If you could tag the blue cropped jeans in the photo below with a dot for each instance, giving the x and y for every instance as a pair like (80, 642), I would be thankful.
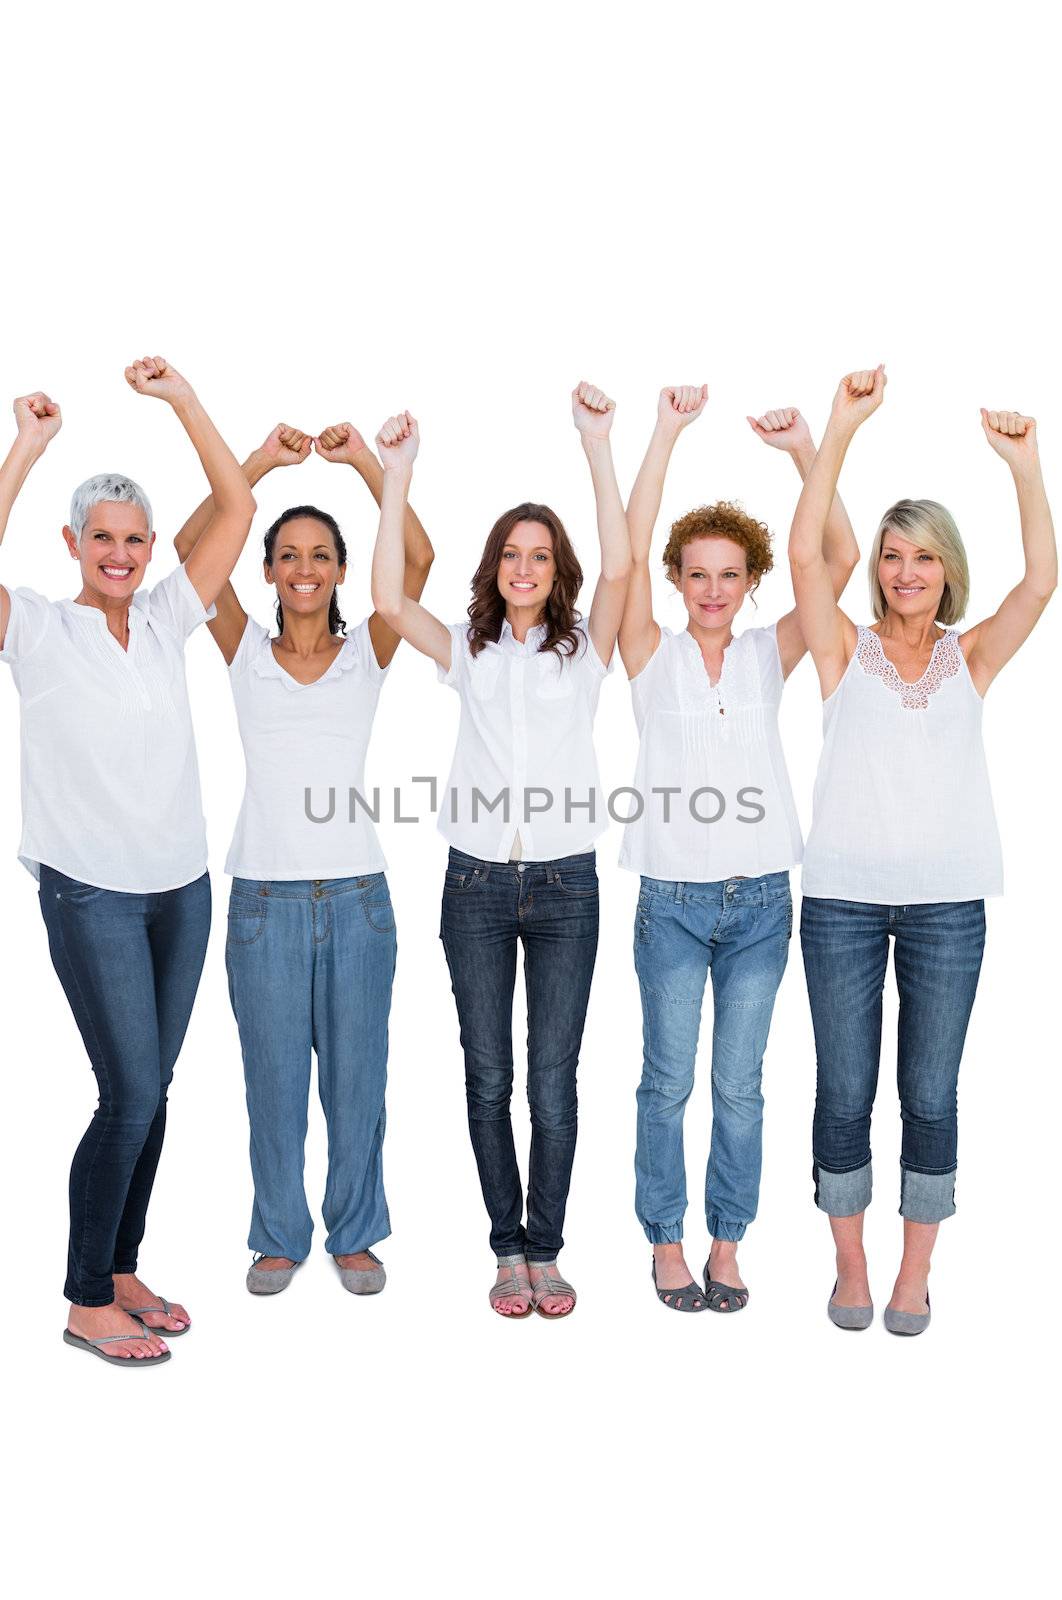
(310, 966)
(938, 950)
(738, 929)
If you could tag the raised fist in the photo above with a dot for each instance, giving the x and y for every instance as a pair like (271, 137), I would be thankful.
(784, 429)
(286, 447)
(859, 396)
(153, 375)
(398, 442)
(593, 411)
(1011, 436)
(340, 442)
(38, 419)
(681, 406)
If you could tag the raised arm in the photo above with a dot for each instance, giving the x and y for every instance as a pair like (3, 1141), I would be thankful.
(343, 443)
(639, 633)
(210, 563)
(593, 413)
(829, 634)
(284, 447)
(990, 644)
(787, 430)
(38, 420)
(398, 442)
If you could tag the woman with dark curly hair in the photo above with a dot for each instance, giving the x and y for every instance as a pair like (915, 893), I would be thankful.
(713, 838)
(311, 944)
(521, 811)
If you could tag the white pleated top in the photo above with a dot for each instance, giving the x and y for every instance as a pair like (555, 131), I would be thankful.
(110, 783)
(526, 734)
(903, 810)
(719, 746)
(304, 745)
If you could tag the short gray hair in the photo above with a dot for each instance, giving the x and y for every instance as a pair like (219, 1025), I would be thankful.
(931, 526)
(105, 486)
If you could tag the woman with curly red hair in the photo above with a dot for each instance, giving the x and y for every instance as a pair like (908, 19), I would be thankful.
(521, 810)
(713, 837)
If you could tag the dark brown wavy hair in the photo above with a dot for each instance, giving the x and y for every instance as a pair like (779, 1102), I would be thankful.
(486, 613)
(724, 520)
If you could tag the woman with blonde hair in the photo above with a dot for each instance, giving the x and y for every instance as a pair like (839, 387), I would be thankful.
(904, 842)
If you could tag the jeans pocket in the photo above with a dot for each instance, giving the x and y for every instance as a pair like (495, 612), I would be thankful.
(247, 919)
(461, 882)
(580, 885)
(379, 912)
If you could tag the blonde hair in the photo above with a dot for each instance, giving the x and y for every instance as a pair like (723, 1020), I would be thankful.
(931, 526)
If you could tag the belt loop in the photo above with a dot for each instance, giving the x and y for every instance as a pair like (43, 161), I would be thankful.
(763, 893)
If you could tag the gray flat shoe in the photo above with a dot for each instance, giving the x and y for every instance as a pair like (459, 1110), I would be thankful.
(687, 1298)
(715, 1293)
(269, 1282)
(855, 1317)
(94, 1348)
(164, 1310)
(907, 1322)
(363, 1280)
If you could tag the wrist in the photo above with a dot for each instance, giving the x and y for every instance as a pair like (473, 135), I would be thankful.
(362, 459)
(256, 466)
(186, 405)
(400, 474)
(596, 444)
(1026, 472)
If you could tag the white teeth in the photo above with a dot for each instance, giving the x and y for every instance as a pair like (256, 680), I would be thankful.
(305, 588)
(117, 572)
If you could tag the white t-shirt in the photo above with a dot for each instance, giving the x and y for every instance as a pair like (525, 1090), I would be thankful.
(305, 811)
(718, 745)
(526, 736)
(903, 809)
(110, 785)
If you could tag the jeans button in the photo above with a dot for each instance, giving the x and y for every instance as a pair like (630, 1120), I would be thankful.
(519, 866)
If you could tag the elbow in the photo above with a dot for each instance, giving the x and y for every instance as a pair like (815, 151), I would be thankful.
(617, 571)
(387, 607)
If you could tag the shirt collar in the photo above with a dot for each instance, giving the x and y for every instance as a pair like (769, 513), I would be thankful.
(534, 638)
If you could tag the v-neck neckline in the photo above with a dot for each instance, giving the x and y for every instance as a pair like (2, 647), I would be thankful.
(703, 664)
(910, 683)
(296, 682)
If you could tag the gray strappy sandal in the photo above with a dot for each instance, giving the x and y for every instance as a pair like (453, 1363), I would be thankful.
(164, 1310)
(715, 1293)
(687, 1298)
(93, 1346)
(552, 1283)
(517, 1288)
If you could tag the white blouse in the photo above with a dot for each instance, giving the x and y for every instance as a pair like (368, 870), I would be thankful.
(110, 784)
(718, 746)
(903, 809)
(524, 747)
(305, 811)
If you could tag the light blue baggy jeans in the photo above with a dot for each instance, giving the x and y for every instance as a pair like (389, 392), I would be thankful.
(739, 930)
(310, 968)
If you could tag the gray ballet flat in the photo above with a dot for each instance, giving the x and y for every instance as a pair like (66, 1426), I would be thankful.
(363, 1280)
(686, 1298)
(855, 1317)
(907, 1322)
(269, 1282)
(94, 1348)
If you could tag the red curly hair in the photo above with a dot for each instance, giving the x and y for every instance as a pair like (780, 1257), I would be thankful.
(724, 520)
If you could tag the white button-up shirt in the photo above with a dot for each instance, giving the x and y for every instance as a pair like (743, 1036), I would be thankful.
(110, 784)
(524, 762)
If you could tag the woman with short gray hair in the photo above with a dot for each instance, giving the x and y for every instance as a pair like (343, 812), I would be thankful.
(113, 830)
(904, 841)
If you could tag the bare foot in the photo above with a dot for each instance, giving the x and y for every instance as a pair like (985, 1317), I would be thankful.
(554, 1305)
(360, 1261)
(853, 1285)
(510, 1305)
(723, 1268)
(671, 1269)
(107, 1322)
(129, 1291)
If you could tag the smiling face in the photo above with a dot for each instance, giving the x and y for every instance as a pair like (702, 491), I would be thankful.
(714, 580)
(305, 567)
(113, 552)
(527, 567)
(911, 577)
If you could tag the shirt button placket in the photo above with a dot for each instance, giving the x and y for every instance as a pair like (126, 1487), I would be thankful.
(518, 716)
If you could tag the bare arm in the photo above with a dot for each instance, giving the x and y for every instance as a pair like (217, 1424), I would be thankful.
(38, 420)
(639, 632)
(829, 634)
(990, 644)
(787, 430)
(398, 441)
(210, 563)
(593, 413)
(342, 442)
(284, 447)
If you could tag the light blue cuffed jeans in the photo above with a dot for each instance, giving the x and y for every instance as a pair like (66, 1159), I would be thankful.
(738, 929)
(310, 967)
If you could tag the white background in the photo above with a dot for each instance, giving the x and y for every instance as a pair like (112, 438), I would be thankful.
(464, 209)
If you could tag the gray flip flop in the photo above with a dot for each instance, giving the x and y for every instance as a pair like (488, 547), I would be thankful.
(687, 1298)
(715, 1293)
(93, 1346)
(907, 1322)
(269, 1282)
(164, 1310)
(854, 1317)
(363, 1280)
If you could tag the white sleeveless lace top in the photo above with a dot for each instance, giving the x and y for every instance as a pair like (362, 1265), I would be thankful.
(903, 810)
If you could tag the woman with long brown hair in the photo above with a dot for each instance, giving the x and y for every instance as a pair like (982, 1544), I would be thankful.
(521, 811)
